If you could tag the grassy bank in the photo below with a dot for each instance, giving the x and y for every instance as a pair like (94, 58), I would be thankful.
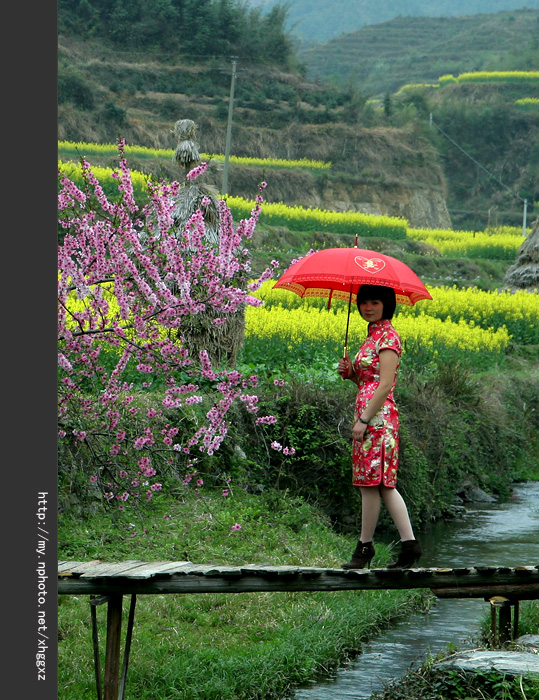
(213, 646)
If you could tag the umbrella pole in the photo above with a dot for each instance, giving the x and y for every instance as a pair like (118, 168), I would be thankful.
(348, 317)
(347, 323)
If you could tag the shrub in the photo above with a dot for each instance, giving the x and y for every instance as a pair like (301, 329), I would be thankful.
(114, 115)
(74, 88)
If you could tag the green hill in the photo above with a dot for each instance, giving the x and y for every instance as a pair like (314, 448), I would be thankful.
(316, 21)
(383, 57)
(385, 158)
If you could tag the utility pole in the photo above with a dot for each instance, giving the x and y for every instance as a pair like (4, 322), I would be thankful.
(229, 126)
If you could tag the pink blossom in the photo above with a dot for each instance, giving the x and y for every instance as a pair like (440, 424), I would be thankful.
(266, 420)
(163, 278)
(196, 172)
(236, 527)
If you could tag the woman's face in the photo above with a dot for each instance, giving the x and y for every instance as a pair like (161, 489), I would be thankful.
(371, 310)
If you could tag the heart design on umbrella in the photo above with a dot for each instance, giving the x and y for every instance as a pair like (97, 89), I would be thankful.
(369, 264)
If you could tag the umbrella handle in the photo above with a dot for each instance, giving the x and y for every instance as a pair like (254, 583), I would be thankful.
(347, 324)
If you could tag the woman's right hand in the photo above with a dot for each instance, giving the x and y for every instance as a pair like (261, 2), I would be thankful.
(345, 368)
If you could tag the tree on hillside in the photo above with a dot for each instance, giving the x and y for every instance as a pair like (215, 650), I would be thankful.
(194, 28)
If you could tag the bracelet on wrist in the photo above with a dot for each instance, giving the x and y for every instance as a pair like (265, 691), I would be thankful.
(365, 422)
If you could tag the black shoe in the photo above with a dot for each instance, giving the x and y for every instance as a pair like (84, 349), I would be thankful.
(409, 555)
(362, 556)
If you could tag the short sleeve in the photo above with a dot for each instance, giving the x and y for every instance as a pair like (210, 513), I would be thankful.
(389, 340)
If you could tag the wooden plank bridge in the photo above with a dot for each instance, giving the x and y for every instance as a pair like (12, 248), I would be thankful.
(108, 582)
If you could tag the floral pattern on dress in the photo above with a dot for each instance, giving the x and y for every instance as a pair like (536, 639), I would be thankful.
(375, 460)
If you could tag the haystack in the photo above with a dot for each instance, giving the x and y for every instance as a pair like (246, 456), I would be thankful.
(524, 273)
(190, 196)
(199, 332)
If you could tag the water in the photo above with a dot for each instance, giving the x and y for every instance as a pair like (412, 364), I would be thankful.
(488, 535)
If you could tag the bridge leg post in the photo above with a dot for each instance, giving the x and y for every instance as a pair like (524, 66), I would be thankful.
(95, 641)
(127, 650)
(505, 623)
(505, 632)
(112, 653)
(493, 630)
(515, 619)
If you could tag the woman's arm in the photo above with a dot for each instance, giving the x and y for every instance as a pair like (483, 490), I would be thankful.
(389, 361)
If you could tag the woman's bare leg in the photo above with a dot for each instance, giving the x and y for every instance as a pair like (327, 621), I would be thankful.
(396, 506)
(370, 510)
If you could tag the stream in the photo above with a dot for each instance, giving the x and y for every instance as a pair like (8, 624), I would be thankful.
(488, 534)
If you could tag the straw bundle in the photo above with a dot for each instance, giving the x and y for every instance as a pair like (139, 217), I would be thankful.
(200, 332)
(524, 273)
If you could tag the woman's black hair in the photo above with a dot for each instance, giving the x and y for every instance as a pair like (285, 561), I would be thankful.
(375, 291)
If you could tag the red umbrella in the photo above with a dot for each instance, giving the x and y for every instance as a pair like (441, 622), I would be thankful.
(337, 273)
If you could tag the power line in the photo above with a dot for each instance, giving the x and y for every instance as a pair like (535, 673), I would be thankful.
(491, 175)
(433, 123)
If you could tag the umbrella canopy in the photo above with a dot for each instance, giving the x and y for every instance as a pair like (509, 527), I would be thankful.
(337, 273)
(334, 273)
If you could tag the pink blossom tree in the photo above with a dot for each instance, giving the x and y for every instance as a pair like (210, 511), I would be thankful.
(129, 392)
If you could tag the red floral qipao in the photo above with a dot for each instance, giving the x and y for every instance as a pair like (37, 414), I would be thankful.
(376, 459)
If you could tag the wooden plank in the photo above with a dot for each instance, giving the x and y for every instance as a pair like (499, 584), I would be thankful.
(312, 572)
(155, 568)
(272, 570)
(110, 568)
(196, 570)
(64, 564)
(520, 591)
(386, 574)
(72, 568)
(231, 572)
(357, 574)
(281, 570)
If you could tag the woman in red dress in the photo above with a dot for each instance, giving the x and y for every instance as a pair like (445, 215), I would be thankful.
(375, 433)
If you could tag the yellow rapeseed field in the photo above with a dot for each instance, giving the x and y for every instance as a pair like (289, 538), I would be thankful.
(110, 149)
(500, 243)
(463, 319)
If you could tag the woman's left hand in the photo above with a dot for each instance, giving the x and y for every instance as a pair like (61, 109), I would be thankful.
(345, 367)
(358, 431)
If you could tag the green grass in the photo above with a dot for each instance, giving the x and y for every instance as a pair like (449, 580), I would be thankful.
(222, 646)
